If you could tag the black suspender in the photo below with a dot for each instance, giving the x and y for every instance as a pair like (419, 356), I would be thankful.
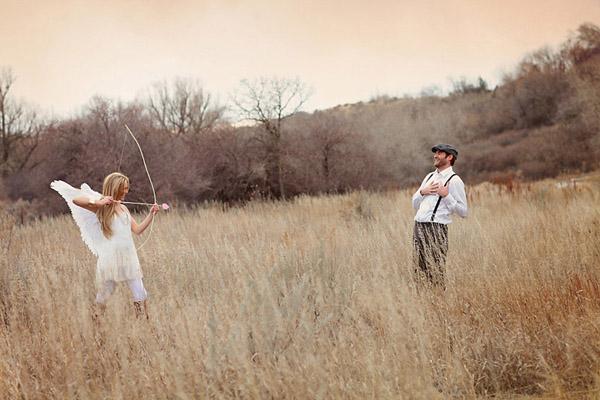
(429, 177)
(439, 197)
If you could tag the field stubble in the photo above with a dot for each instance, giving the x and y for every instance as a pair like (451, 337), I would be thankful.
(313, 298)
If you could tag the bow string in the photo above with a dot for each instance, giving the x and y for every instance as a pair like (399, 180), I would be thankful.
(149, 179)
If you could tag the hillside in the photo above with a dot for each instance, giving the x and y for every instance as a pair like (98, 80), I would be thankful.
(541, 121)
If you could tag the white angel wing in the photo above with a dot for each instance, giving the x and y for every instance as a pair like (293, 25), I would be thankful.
(89, 226)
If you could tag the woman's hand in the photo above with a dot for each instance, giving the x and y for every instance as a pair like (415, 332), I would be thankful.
(155, 208)
(91, 204)
(105, 201)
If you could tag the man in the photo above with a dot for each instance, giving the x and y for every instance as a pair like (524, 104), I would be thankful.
(441, 194)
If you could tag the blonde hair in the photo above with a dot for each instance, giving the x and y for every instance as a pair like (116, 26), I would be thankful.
(114, 185)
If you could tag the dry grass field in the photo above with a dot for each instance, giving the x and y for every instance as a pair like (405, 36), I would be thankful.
(313, 298)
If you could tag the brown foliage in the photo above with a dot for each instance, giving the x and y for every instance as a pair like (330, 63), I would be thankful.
(542, 121)
(508, 181)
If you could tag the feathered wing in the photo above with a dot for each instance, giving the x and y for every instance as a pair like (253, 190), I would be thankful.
(89, 226)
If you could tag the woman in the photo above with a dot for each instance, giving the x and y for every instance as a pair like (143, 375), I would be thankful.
(106, 227)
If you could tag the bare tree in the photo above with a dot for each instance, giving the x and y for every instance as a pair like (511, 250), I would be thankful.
(19, 128)
(183, 107)
(463, 86)
(268, 102)
(329, 134)
(583, 46)
(102, 112)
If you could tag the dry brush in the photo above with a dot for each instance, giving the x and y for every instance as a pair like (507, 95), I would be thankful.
(313, 298)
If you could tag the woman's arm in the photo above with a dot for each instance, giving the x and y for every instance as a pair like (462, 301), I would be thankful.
(138, 229)
(90, 204)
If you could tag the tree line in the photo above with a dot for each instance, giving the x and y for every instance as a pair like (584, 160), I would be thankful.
(541, 120)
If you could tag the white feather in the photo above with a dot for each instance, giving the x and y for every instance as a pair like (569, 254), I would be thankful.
(87, 221)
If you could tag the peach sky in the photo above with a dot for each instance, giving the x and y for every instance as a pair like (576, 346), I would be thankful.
(64, 52)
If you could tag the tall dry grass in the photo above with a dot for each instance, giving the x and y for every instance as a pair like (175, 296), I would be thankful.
(314, 299)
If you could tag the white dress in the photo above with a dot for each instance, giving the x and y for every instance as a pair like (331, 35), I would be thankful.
(117, 256)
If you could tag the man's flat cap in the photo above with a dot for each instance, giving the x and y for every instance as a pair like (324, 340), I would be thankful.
(446, 148)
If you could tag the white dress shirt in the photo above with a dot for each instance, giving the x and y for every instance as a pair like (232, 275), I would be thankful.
(454, 202)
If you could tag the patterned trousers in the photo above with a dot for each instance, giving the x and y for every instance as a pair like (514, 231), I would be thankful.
(430, 243)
